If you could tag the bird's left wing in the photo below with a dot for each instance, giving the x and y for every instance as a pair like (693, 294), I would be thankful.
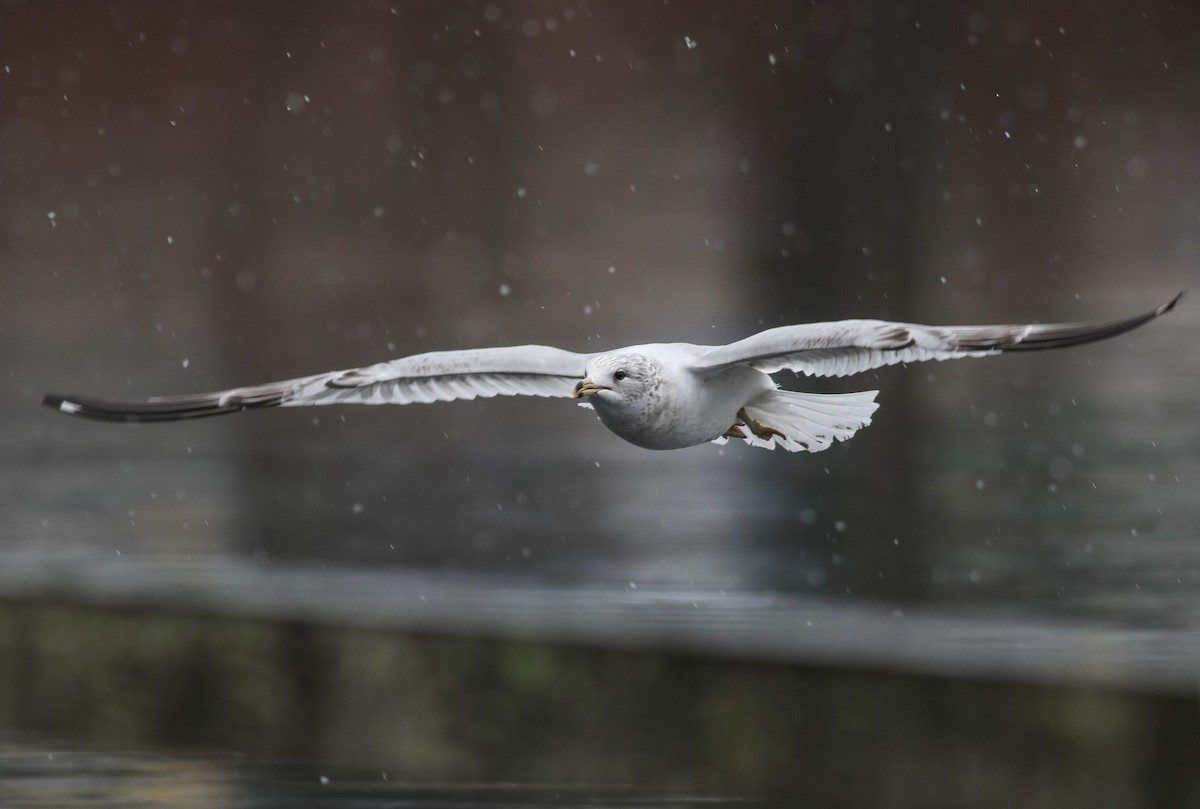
(847, 347)
(437, 376)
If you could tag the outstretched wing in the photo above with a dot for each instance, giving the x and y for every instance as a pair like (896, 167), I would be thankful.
(438, 376)
(849, 346)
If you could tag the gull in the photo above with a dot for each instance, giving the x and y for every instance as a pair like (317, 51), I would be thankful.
(656, 396)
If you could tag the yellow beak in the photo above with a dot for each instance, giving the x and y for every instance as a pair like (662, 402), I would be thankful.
(586, 388)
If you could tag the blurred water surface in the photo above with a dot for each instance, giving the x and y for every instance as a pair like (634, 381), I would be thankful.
(101, 780)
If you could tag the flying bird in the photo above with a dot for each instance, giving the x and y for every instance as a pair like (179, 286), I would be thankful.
(657, 396)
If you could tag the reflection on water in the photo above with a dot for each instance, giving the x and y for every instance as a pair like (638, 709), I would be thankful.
(998, 579)
(427, 591)
(45, 776)
(431, 706)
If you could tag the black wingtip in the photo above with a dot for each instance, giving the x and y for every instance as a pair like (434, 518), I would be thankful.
(75, 406)
(1169, 305)
(64, 404)
(164, 409)
(1086, 333)
(1056, 335)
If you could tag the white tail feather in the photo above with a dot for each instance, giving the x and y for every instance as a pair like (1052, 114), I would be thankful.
(810, 422)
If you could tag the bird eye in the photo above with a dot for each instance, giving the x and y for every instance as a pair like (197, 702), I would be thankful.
(619, 375)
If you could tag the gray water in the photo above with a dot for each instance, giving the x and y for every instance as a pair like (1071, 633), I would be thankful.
(73, 777)
(1024, 537)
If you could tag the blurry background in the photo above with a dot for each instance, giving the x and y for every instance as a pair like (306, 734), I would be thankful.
(195, 196)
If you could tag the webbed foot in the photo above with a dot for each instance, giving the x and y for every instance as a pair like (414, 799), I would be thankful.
(760, 430)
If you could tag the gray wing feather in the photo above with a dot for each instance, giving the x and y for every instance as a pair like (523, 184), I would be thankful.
(437, 376)
(847, 347)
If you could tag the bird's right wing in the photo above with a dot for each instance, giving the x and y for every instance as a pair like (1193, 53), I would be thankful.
(437, 376)
(847, 347)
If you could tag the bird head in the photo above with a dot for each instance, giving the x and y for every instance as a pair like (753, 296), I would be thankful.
(619, 379)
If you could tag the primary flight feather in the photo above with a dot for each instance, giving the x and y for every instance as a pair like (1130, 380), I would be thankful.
(658, 396)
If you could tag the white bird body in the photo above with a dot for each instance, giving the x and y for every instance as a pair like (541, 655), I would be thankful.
(663, 402)
(657, 396)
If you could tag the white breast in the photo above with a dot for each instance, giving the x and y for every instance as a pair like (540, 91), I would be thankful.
(682, 409)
